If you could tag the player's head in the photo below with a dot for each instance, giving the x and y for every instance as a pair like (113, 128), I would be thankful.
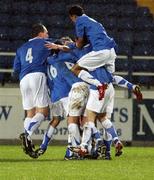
(66, 40)
(75, 11)
(39, 30)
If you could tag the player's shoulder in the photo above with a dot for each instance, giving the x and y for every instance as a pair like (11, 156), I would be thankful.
(19, 49)
(35, 43)
(52, 59)
(38, 40)
(82, 18)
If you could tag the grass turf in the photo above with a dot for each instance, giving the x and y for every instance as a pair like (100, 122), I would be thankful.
(135, 164)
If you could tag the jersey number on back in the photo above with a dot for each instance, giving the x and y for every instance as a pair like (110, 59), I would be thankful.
(52, 72)
(69, 65)
(29, 56)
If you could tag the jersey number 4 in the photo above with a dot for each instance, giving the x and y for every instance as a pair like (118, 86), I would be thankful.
(29, 56)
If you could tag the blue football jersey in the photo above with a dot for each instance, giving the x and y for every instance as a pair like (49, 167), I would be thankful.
(102, 75)
(57, 85)
(60, 78)
(94, 32)
(31, 57)
(66, 56)
(78, 53)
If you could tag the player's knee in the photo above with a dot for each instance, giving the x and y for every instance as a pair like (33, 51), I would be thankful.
(44, 111)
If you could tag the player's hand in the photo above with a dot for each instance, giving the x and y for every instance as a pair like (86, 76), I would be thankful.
(51, 46)
(137, 93)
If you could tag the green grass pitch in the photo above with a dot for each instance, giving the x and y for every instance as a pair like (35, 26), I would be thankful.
(136, 163)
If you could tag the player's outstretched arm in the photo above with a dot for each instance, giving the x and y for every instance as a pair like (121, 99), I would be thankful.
(57, 47)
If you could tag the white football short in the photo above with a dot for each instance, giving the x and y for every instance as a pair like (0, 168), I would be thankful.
(77, 99)
(104, 105)
(34, 91)
(96, 59)
(58, 109)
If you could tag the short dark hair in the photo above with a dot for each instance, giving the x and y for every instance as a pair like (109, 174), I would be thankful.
(76, 10)
(37, 28)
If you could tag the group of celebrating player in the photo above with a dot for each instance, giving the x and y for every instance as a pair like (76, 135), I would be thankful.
(79, 78)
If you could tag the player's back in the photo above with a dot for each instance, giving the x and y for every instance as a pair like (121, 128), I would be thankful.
(32, 56)
(64, 61)
(94, 32)
(59, 88)
(60, 73)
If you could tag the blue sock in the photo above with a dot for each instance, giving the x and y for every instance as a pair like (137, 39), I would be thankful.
(113, 132)
(31, 125)
(45, 142)
(96, 136)
(108, 145)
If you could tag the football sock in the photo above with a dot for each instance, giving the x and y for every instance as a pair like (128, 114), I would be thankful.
(107, 124)
(96, 134)
(27, 121)
(108, 145)
(47, 137)
(120, 81)
(35, 123)
(73, 135)
(87, 133)
(85, 76)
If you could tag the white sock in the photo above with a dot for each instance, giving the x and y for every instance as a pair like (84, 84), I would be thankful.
(95, 131)
(85, 76)
(47, 137)
(50, 131)
(87, 133)
(35, 123)
(109, 128)
(27, 121)
(73, 134)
